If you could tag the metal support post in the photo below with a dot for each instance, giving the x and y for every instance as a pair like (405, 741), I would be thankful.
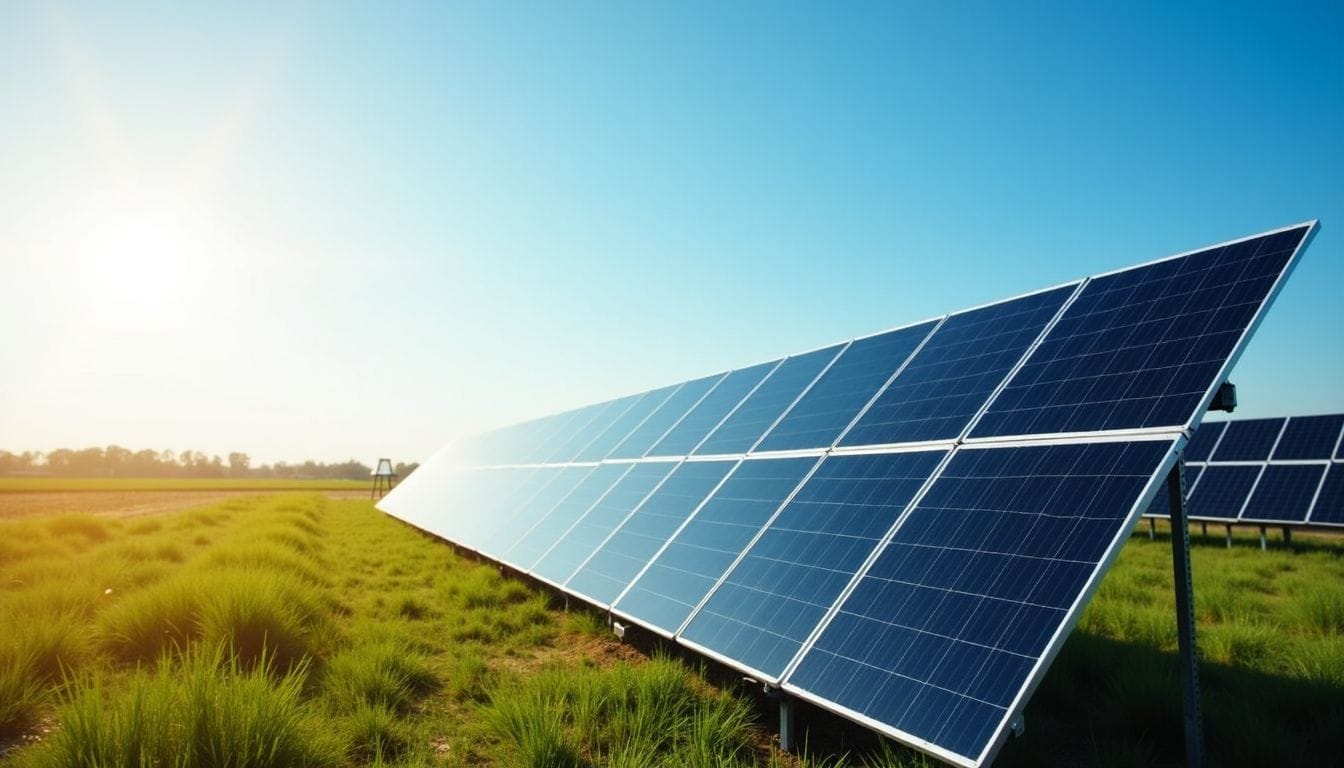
(1229, 537)
(1264, 545)
(1287, 536)
(1204, 529)
(785, 722)
(1152, 528)
(1185, 617)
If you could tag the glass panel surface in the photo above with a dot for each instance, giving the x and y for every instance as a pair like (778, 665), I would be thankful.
(662, 420)
(1284, 493)
(1142, 347)
(1309, 437)
(950, 379)
(680, 577)
(740, 431)
(633, 545)
(779, 592)
(1221, 491)
(846, 387)
(940, 637)
(706, 415)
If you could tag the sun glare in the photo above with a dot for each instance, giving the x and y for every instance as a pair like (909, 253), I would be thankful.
(140, 261)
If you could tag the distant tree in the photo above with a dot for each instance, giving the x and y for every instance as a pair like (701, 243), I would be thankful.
(239, 464)
(403, 469)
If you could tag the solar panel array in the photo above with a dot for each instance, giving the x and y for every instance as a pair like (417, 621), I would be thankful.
(901, 528)
(1280, 471)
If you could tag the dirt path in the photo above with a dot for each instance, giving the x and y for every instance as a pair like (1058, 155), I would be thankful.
(127, 503)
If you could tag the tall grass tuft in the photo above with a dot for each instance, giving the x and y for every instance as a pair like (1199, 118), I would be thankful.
(209, 711)
(387, 673)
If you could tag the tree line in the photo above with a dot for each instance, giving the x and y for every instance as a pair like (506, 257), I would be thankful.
(116, 461)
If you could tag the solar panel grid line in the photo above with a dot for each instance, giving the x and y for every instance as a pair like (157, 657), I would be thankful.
(1330, 494)
(727, 415)
(566, 481)
(835, 441)
(608, 416)
(1212, 433)
(1236, 431)
(1151, 347)
(1339, 445)
(514, 562)
(904, 364)
(1194, 469)
(864, 566)
(617, 527)
(690, 519)
(1284, 494)
(666, 542)
(1209, 484)
(743, 553)
(844, 345)
(1154, 484)
(657, 438)
(636, 475)
(1323, 429)
(1026, 354)
(607, 440)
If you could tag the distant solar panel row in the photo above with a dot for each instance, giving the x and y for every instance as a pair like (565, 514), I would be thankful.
(1265, 471)
(901, 528)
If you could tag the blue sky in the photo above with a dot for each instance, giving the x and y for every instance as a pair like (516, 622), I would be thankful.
(358, 230)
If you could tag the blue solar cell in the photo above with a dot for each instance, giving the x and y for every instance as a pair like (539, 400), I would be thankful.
(838, 396)
(1205, 438)
(707, 414)
(1248, 440)
(497, 539)
(660, 421)
(1161, 505)
(687, 568)
(1221, 491)
(745, 426)
(604, 415)
(950, 379)
(611, 569)
(502, 493)
(532, 543)
(1329, 506)
(1284, 493)
(939, 639)
(1142, 347)
(593, 528)
(623, 425)
(779, 592)
(1309, 437)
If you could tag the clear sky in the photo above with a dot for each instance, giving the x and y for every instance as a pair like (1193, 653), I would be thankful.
(355, 230)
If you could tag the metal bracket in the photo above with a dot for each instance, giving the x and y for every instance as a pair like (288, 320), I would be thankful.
(1185, 617)
(1018, 725)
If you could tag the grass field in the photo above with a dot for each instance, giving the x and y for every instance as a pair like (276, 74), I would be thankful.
(296, 629)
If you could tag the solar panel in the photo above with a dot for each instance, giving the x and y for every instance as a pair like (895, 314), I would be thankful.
(1161, 505)
(956, 371)
(509, 526)
(1205, 438)
(533, 543)
(1222, 491)
(611, 569)
(707, 414)
(759, 616)
(1284, 493)
(593, 528)
(587, 426)
(691, 562)
(944, 636)
(1146, 346)
(918, 592)
(623, 425)
(1329, 506)
(838, 396)
(1309, 437)
(1248, 440)
(762, 408)
(668, 414)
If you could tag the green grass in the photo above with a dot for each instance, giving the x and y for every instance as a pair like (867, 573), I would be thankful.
(297, 630)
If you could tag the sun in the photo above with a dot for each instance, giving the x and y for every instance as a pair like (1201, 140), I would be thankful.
(140, 259)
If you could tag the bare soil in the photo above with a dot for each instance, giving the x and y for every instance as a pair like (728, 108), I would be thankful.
(126, 504)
